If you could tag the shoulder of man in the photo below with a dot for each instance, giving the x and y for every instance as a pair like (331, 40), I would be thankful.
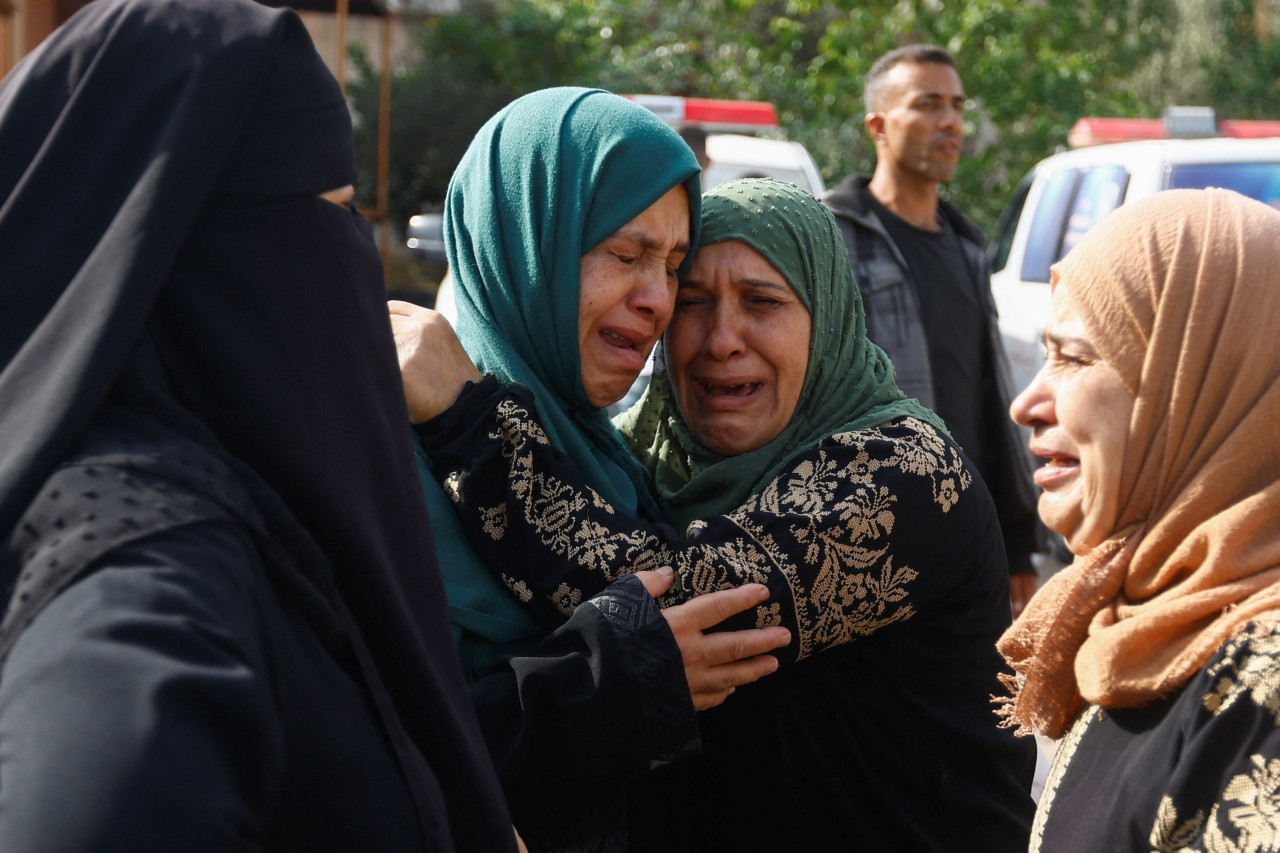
(851, 199)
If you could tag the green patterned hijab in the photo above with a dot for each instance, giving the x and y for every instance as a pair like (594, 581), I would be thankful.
(544, 181)
(849, 381)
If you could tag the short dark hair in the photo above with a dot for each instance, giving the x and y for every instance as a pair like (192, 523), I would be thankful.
(914, 54)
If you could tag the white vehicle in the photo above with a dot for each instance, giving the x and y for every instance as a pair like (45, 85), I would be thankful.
(735, 156)
(1067, 193)
(732, 152)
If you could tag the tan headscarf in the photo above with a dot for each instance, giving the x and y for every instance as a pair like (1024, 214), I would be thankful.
(1180, 293)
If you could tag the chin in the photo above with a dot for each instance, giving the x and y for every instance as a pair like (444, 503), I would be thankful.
(722, 443)
(602, 398)
(1063, 524)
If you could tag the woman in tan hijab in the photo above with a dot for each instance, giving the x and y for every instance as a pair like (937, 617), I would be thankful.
(1156, 655)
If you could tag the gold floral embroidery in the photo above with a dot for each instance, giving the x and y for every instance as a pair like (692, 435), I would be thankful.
(946, 494)
(1250, 666)
(768, 616)
(1061, 761)
(1246, 818)
(519, 587)
(1168, 835)
(1258, 816)
(494, 520)
(514, 417)
(829, 504)
(566, 598)
(1255, 822)
(810, 488)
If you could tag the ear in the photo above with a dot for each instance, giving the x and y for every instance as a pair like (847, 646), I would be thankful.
(874, 122)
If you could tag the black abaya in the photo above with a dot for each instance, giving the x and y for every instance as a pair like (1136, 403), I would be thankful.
(168, 267)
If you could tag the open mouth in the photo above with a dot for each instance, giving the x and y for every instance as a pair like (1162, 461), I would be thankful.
(1055, 470)
(1059, 461)
(614, 339)
(746, 389)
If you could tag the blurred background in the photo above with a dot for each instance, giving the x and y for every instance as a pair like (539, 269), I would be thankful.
(422, 76)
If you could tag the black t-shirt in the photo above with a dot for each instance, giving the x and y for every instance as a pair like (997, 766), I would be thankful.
(953, 323)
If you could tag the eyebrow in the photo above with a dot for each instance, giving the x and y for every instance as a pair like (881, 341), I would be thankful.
(646, 240)
(743, 282)
(1049, 336)
(960, 97)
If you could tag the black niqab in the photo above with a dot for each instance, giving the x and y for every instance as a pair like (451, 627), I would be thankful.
(163, 251)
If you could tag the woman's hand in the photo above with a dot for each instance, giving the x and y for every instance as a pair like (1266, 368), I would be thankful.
(433, 365)
(716, 663)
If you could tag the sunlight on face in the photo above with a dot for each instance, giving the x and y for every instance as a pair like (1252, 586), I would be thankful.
(1078, 410)
(738, 348)
(921, 127)
(626, 294)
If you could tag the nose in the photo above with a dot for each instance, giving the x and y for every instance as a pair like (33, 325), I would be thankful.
(654, 293)
(1035, 405)
(953, 118)
(724, 338)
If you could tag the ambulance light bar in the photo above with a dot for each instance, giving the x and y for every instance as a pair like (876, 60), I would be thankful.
(1177, 123)
(711, 113)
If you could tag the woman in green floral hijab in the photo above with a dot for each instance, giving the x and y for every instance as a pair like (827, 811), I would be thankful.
(848, 382)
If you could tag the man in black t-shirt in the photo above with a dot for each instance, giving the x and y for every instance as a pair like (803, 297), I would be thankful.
(925, 279)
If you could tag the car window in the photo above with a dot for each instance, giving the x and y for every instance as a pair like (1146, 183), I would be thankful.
(1256, 180)
(1008, 224)
(1048, 223)
(1101, 191)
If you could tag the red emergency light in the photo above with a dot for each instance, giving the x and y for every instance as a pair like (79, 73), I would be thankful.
(711, 113)
(1178, 123)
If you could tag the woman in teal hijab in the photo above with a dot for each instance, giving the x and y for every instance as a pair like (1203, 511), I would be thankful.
(545, 181)
(783, 453)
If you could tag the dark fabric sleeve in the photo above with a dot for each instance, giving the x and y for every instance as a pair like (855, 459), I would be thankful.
(1006, 455)
(837, 539)
(132, 716)
(603, 700)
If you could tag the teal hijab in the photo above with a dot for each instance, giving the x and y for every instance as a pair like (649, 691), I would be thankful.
(543, 182)
(848, 382)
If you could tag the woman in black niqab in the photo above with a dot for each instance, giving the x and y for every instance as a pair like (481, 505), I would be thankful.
(193, 342)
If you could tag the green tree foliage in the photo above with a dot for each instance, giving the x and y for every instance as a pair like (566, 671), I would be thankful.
(475, 63)
(1031, 68)
(1242, 77)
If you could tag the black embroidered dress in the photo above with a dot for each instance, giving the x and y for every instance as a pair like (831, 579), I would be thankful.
(1194, 771)
(881, 551)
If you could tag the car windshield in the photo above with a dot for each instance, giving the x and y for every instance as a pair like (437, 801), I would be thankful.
(1256, 180)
